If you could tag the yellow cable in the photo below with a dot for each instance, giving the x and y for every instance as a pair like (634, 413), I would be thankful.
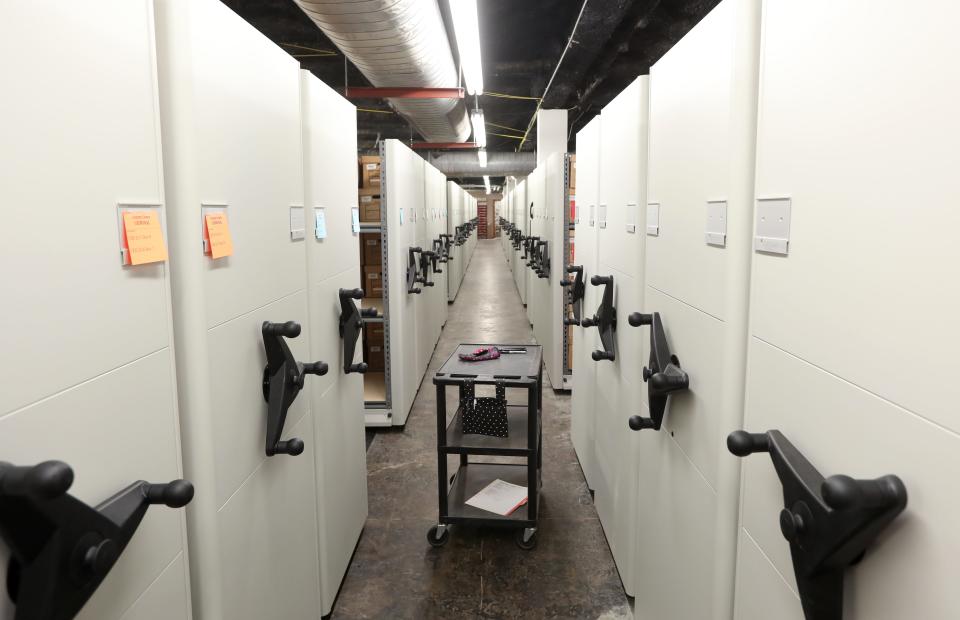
(505, 96)
(374, 111)
(309, 49)
(504, 127)
(503, 135)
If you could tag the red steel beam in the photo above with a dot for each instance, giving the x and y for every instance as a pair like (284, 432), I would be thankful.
(444, 145)
(363, 92)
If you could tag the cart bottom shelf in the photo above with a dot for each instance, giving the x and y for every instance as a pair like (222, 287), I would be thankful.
(470, 479)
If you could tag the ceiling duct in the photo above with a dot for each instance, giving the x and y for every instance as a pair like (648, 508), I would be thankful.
(398, 43)
(499, 164)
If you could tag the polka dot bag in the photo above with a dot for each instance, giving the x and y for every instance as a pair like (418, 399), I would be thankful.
(484, 415)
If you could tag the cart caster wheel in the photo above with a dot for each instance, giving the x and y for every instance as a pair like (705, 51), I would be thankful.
(526, 538)
(438, 541)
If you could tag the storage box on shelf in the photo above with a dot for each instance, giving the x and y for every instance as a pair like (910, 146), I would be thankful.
(370, 172)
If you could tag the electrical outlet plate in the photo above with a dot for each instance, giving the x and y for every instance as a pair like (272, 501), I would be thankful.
(602, 216)
(772, 235)
(631, 217)
(716, 231)
(653, 219)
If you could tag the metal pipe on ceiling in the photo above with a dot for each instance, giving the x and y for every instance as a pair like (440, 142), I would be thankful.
(459, 164)
(398, 43)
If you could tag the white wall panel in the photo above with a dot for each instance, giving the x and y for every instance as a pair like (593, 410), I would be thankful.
(850, 355)
(231, 117)
(702, 131)
(330, 183)
(403, 193)
(523, 223)
(583, 410)
(622, 189)
(88, 369)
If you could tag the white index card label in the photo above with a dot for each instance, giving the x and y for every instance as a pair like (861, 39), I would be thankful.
(716, 231)
(653, 219)
(298, 223)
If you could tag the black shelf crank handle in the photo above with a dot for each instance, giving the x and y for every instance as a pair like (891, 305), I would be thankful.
(575, 293)
(605, 320)
(413, 271)
(61, 549)
(663, 375)
(423, 276)
(829, 523)
(351, 324)
(283, 378)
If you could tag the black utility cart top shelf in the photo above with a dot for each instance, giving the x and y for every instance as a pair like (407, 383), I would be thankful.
(513, 369)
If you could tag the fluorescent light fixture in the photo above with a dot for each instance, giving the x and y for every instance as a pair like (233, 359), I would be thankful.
(466, 27)
(482, 156)
(479, 128)
(486, 183)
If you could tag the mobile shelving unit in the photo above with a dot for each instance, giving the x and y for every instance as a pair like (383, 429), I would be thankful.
(523, 371)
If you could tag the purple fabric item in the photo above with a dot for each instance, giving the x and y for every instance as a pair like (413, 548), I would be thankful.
(485, 353)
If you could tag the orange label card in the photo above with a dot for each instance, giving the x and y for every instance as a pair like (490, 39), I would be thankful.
(143, 237)
(219, 242)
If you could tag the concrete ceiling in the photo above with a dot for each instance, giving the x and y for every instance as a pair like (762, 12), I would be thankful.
(521, 41)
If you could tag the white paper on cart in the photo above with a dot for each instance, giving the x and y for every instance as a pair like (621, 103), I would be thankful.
(500, 497)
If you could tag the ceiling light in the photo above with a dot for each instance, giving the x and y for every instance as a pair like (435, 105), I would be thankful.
(486, 183)
(466, 27)
(482, 156)
(479, 128)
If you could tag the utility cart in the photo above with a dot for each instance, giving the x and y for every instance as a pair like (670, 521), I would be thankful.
(515, 370)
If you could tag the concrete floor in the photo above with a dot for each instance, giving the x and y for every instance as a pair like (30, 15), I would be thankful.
(395, 573)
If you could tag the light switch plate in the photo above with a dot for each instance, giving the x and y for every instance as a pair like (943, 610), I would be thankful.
(631, 217)
(602, 216)
(716, 231)
(298, 223)
(593, 214)
(653, 219)
(772, 233)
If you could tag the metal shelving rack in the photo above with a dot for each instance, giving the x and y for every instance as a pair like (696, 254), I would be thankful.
(379, 413)
(522, 371)
(568, 225)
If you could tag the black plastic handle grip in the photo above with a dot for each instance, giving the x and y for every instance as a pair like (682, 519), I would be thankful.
(667, 383)
(316, 368)
(636, 319)
(574, 268)
(588, 322)
(176, 494)
(843, 492)
(638, 423)
(358, 368)
(293, 447)
(352, 293)
(370, 313)
(45, 480)
(571, 322)
(290, 329)
(598, 280)
(742, 443)
(599, 355)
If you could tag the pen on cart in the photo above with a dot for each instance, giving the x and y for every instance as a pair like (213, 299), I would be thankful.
(511, 350)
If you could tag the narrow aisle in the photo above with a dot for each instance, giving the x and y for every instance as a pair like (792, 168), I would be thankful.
(395, 573)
